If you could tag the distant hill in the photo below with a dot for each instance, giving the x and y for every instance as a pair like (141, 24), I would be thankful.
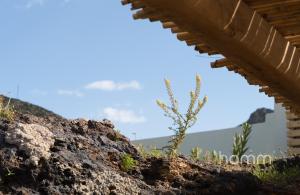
(259, 116)
(28, 108)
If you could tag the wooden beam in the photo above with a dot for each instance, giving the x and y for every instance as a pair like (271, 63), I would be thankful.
(292, 117)
(294, 133)
(240, 34)
(220, 63)
(182, 36)
(294, 151)
(293, 142)
(169, 25)
(293, 124)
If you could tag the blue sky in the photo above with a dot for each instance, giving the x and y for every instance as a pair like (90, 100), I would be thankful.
(90, 59)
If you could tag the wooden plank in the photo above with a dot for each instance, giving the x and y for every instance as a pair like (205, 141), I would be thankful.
(293, 124)
(232, 67)
(182, 36)
(125, 2)
(293, 142)
(193, 42)
(294, 151)
(169, 25)
(137, 5)
(146, 13)
(294, 133)
(292, 116)
(270, 5)
(220, 63)
(203, 48)
(176, 30)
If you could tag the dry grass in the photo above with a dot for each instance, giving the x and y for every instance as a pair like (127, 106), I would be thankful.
(6, 111)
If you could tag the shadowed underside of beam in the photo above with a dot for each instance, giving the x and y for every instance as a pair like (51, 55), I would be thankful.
(256, 45)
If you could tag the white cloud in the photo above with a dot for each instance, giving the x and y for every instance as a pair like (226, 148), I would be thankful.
(109, 85)
(123, 116)
(70, 93)
(32, 3)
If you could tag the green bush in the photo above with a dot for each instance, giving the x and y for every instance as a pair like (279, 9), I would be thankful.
(153, 152)
(213, 157)
(195, 153)
(272, 175)
(127, 162)
(141, 150)
(181, 122)
(6, 111)
(117, 135)
(240, 142)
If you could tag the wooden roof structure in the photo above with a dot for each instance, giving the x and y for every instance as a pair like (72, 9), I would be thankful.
(260, 40)
(269, 29)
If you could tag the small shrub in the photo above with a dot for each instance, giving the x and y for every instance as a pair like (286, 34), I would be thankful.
(6, 111)
(154, 152)
(181, 122)
(196, 153)
(215, 157)
(9, 173)
(212, 156)
(272, 175)
(141, 150)
(241, 140)
(127, 162)
(117, 136)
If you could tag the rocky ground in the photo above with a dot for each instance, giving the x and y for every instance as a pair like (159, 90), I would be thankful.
(52, 155)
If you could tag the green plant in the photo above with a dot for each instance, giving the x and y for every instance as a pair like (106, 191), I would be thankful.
(212, 156)
(215, 157)
(273, 175)
(9, 173)
(127, 162)
(241, 140)
(181, 122)
(6, 111)
(141, 150)
(118, 135)
(196, 153)
(154, 152)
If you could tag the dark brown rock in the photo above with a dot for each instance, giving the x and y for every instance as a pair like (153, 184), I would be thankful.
(86, 156)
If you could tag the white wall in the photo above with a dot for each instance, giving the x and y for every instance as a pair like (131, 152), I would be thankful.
(266, 138)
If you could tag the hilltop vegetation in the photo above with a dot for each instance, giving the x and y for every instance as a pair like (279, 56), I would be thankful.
(27, 108)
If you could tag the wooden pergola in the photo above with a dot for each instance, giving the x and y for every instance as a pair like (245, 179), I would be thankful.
(259, 39)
